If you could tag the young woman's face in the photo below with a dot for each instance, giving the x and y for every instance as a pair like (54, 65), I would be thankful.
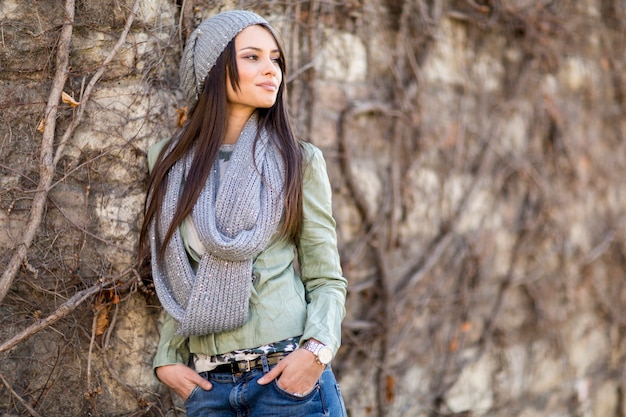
(257, 57)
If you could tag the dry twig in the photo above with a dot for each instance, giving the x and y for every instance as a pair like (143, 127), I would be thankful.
(50, 157)
(30, 409)
(65, 309)
(46, 169)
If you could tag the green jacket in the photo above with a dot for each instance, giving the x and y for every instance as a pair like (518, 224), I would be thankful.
(283, 303)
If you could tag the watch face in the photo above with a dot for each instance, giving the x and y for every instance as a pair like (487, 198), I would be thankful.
(325, 355)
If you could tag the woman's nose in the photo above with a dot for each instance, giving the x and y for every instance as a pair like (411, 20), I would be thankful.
(270, 67)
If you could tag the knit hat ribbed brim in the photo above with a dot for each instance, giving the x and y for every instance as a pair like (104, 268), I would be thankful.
(206, 43)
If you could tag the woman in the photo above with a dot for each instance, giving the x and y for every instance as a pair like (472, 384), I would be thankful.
(233, 197)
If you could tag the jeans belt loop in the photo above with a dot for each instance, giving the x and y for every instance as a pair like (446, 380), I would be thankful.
(266, 366)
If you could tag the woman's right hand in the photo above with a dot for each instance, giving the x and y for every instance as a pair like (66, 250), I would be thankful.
(181, 379)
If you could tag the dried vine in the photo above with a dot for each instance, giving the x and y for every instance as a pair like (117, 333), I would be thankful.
(431, 299)
(46, 168)
(49, 159)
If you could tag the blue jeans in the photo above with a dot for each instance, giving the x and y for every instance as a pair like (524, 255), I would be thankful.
(241, 396)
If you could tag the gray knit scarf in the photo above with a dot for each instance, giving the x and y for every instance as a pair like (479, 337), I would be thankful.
(235, 217)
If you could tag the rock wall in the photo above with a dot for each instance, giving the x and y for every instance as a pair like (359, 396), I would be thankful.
(476, 152)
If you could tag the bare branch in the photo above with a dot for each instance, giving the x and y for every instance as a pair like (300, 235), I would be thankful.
(30, 409)
(92, 83)
(49, 157)
(46, 170)
(65, 309)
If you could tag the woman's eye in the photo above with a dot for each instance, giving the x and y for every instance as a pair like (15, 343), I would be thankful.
(255, 57)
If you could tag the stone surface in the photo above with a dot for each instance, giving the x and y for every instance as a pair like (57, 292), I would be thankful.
(487, 146)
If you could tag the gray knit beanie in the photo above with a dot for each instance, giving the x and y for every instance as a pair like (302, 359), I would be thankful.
(206, 43)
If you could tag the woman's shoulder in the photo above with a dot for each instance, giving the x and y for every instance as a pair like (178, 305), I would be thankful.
(314, 163)
(154, 151)
(310, 152)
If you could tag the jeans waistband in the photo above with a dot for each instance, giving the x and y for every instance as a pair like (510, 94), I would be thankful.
(246, 365)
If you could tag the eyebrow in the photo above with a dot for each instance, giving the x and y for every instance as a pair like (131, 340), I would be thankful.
(254, 48)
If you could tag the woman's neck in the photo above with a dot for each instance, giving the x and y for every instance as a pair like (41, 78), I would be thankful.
(234, 126)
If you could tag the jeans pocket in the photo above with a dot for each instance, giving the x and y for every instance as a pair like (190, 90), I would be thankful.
(191, 394)
(342, 404)
(298, 396)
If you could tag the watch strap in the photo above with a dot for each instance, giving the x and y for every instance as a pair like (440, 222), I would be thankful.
(315, 348)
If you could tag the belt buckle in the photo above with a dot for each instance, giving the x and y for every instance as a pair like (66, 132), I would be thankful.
(241, 366)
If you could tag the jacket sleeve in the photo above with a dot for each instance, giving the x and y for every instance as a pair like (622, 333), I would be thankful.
(318, 256)
(172, 349)
(154, 151)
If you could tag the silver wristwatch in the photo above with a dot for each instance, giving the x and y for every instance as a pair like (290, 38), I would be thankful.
(322, 352)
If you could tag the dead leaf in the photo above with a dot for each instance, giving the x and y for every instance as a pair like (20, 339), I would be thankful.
(67, 99)
(102, 320)
(102, 307)
(453, 346)
(390, 388)
(42, 125)
(182, 116)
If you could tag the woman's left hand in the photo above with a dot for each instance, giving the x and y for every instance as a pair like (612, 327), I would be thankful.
(297, 373)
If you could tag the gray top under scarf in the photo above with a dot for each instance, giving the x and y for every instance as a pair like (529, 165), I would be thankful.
(235, 219)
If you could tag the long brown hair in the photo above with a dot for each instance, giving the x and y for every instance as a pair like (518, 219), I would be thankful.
(205, 129)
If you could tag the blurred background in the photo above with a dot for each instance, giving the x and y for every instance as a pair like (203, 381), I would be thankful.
(477, 157)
